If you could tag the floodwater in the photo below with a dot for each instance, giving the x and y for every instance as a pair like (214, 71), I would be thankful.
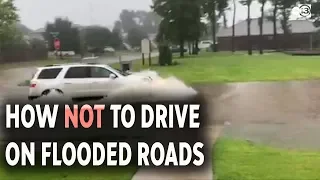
(285, 114)
(282, 114)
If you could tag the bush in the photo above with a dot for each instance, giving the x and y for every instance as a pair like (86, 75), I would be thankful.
(165, 55)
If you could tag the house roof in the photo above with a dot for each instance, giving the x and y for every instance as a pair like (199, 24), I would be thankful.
(297, 26)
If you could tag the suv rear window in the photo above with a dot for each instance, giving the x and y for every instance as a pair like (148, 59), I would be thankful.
(49, 73)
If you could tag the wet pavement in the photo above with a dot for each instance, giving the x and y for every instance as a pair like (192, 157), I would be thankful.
(284, 114)
(281, 114)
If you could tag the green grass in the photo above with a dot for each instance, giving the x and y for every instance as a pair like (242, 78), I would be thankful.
(67, 174)
(242, 160)
(224, 67)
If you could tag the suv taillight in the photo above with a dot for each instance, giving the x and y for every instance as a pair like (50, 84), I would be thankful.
(33, 85)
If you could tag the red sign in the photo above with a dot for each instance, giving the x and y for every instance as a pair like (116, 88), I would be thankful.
(56, 43)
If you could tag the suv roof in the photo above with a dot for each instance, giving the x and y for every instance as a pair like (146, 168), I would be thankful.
(70, 65)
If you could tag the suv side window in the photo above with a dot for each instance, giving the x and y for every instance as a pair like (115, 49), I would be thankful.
(77, 73)
(49, 73)
(99, 72)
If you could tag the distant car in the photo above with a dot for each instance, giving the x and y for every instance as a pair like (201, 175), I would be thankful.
(109, 49)
(205, 44)
(90, 58)
(82, 80)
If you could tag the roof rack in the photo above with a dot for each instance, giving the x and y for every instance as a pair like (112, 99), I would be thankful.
(50, 65)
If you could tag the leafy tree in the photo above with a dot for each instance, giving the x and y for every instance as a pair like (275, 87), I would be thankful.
(97, 37)
(261, 20)
(180, 21)
(127, 18)
(285, 8)
(211, 7)
(135, 36)
(8, 19)
(273, 17)
(116, 38)
(315, 10)
(117, 26)
(248, 4)
(148, 21)
(315, 13)
(69, 36)
(144, 20)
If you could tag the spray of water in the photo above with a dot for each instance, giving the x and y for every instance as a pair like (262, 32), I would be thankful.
(158, 89)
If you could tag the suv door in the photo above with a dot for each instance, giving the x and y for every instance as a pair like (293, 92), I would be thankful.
(76, 82)
(101, 81)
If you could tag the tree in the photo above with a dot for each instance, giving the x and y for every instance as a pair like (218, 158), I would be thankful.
(275, 4)
(211, 7)
(143, 20)
(68, 34)
(148, 21)
(315, 10)
(116, 38)
(315, 13)
(127, 18)
(248, 4)
(118, 26)
(180, 20)
(261, 20)
(196, 28)
(97, 37)
(233, 24)
(8, 19)
(135, 36)
(285, 8)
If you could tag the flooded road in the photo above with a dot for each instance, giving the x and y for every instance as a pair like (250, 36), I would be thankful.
(284, 114)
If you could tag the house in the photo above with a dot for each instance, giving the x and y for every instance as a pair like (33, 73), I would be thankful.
(301, 36)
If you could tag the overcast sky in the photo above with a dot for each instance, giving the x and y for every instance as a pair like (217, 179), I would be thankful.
(35, 13)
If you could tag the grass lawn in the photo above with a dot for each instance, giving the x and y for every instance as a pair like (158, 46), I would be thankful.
(242, 160)
(67, 174)
(223, 67)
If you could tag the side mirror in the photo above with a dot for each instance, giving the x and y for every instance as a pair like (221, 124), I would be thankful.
(112, 76)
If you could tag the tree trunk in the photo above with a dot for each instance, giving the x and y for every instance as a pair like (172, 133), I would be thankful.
(275, 10)
(196, 47)
(261, 29)
(189, 47)
(233, 23)
(249, 33)
(193, 48)
(213, 26)
(181, 47)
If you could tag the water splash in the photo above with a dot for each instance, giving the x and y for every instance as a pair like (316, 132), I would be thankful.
(159, 88)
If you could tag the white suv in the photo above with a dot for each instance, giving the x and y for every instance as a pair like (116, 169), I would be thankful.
(81, 80)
